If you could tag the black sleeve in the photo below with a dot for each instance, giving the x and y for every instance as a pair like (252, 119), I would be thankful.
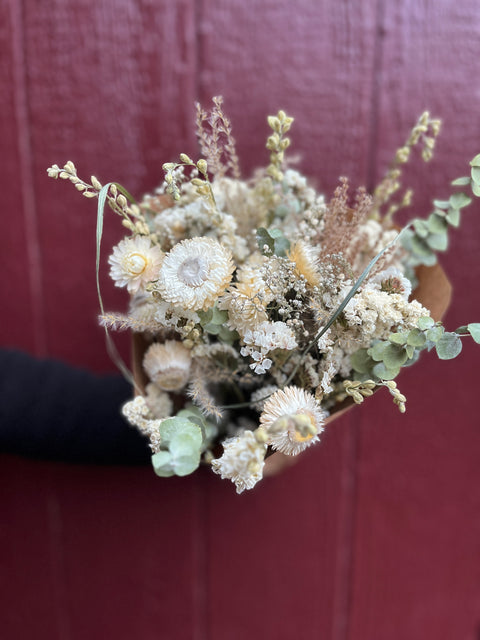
(53, 411)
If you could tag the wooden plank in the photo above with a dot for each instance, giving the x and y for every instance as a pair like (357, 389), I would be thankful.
(93, 552)
(416, 571)
(279, 559)
(112, 91)
(97, 552)
(21, 283)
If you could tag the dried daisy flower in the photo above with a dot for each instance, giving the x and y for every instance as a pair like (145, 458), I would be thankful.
(242, 461)
(168, 365)
(195, 273)
(245, 306)
(293, 420)
(134, 263)
(391, 280)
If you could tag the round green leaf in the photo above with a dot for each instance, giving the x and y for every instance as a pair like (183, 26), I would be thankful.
(435, 334)
(425, 322)
(398, 338)
(449, 346)
(416, 338)
(184, 465)
(474, 329)
(459, 200)
(162, 464)
(187, 442)
(453, 217)
(438, 241)
(476, 161)
(173, 426)
(394, 356)
(377, 351)
(476, 189)
(461, 182)
(436, 223)
(361, 361)
(475, 172)
(384, 373)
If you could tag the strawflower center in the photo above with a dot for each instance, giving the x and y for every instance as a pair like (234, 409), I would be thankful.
(136, 263)
(193, 271)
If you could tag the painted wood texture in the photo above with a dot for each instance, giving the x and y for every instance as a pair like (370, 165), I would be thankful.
(376, 533)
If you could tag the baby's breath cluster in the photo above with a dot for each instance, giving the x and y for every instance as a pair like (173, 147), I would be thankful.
(265, 308)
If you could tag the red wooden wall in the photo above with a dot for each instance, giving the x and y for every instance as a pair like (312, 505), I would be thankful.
(376, 533)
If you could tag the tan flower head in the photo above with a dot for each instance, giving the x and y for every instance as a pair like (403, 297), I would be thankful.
(305, 261)
(134, 262)
(293, 420)
(195, 273)
(168, 365)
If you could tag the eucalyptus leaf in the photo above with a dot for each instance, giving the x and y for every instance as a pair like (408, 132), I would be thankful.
(435, 334)
(174, 426)
(186, 464)
(421, 227)
(281, 247)
(425, 322)
(187, 442)
(416, 338)
(449, 346)
(475, 173)
(361, 361)
(436, 223)
(384, 373)
(419, 246)
(398, 338)
(377, 351)
(438, 241)
(461, 182)
(410, 349)
(474, 329)
(476, 189)
(476, 161)
(162, 464)
(394, 356)
(441, 204)
(459, 200)
(264, 238)
(453, 217)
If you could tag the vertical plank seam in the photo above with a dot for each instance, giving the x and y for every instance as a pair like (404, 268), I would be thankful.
(57, 564)
(375, 95)
(24, 141)
(200, 495)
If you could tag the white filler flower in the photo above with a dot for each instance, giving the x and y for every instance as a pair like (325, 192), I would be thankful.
(242, 461)
(293, 419)
(195, 272)
(134, 262)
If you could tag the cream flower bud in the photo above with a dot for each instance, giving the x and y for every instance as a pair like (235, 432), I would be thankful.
(168, 365)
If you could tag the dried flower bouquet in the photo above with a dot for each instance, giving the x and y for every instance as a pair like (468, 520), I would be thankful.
(261, 308)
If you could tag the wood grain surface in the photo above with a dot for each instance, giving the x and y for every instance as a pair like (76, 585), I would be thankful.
(375, 533)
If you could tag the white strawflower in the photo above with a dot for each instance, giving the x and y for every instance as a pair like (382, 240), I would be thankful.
(195, 272)
(242, 461)
(293, 419)
(168, 365)
(391, 280)
(134, 262)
